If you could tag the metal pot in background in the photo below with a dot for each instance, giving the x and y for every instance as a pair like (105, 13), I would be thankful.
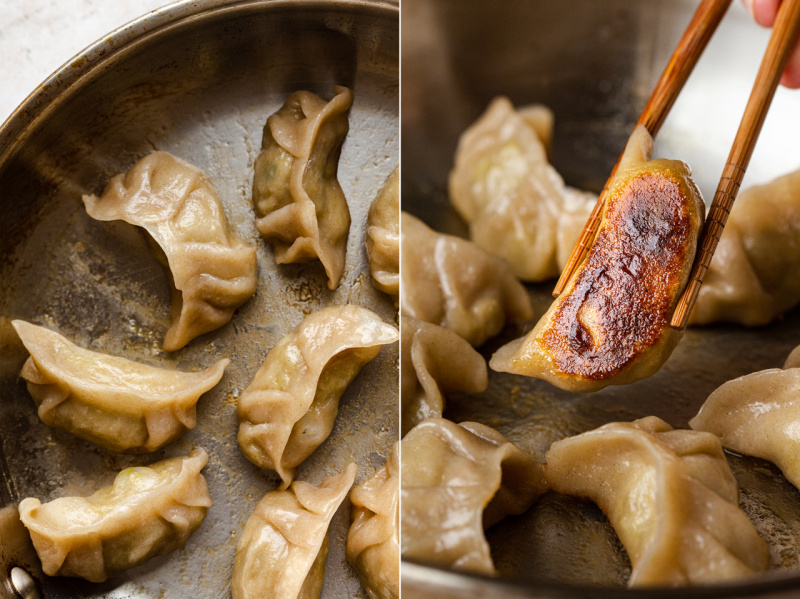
(595, 64)
(198, 79)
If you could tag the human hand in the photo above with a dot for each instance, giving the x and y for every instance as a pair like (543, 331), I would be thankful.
(764, 13)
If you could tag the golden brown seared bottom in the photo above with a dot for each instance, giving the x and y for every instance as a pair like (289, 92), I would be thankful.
(623, 294)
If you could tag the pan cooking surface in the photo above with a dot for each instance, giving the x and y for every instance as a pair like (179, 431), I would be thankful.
(198, 80)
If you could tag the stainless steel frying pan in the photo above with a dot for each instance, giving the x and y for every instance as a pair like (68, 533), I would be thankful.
(595, 64)
(198, 79)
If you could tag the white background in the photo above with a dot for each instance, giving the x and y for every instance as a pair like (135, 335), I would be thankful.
(38, 36)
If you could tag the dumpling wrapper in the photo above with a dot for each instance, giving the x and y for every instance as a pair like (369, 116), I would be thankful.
(147, 511)
(116, 403)
(748, 281)
(300, 206)
(516, 204)
(610, 326)
(289, 408)
(456, 480)
(212, 270)
(759, 415)
(433, 362)
(282, 550)
(383, 237)
(373, 541)
(451, 282)
(670, 496)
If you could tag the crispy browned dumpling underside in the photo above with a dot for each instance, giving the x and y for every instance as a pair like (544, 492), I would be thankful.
(611, 325)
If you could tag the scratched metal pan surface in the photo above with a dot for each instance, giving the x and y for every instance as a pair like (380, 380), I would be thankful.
(595, 64)
(197, 79)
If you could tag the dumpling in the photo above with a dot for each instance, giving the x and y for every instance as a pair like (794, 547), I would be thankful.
(148, 511)
(434, 361)
(284, 544)
(451, 282)
(456, 480)
(747, 281)
(212, 270)
(514, 201)
(669, 494)
(383, 237)
(759, 415)
(116, 403)
(289, 408)
(300, 207)
(373, 545)
(610, 326)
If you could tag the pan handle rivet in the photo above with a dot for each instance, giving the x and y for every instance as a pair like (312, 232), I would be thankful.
(23, 584)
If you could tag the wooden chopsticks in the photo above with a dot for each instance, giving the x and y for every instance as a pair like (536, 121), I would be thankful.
(784, 33)
(694, 40)
(680, 65)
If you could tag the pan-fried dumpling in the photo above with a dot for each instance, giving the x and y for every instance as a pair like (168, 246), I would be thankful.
(289, 408)
(148, 511)
(116, 403)
(434, 361)
(383, 237)
(759, 415)
(283, 547)
(610, 326)
(300, 206)
(451, 282)
(669, 494)
(514, 201)
(456, 480)
(373, 546)
(212, 270)
(752, 279)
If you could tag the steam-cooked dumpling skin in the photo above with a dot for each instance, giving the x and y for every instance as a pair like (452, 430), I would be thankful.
(116, 403)
(383, 237)
(373, 546)
(283, 547)
(213, 270)
(516, 204)
(289, 408)
(451, 282)
(669, 494)
(752, 279)
(456, 480)
(759, 415)
(434, 361)
(147, 511)
(300, 206)
(610, 326)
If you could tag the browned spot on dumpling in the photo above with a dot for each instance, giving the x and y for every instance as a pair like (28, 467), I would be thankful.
(624, 292)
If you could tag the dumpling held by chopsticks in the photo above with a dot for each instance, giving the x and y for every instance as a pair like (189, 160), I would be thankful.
(611, 324)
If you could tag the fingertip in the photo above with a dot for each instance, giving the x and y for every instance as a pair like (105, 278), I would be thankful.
(791, 77)
(765, 11)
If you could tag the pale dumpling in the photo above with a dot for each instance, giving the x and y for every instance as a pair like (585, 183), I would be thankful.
(753, 277)
(610, 326)
(148, 511)
(383, 237)
(373, 541)
(759, 415)
(283, 547)
(289, 408)
(433, 362)
(212, 270)
(456, 480)
(116, 403)
(670, 496)
(451, 282)
(516, 204)
(300, 206)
